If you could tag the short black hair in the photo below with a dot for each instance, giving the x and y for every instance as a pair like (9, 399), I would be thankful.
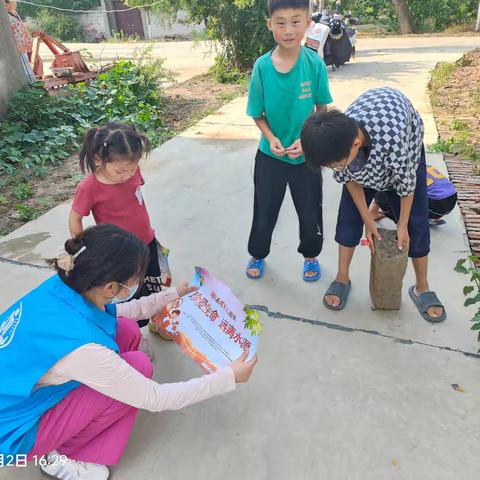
(327, 137)
(110, 255)
(274, 5)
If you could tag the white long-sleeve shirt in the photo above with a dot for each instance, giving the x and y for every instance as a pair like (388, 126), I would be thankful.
(105, 371)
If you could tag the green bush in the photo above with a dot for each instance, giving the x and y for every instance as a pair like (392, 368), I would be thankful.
(368, 11)
(239, 27)
(470, 266)
(58, 25)
(29, 10)
(435, 15)
(429, 15)
(41, 130)
(223, 72)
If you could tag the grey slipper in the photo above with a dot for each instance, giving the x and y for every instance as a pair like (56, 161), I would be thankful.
(427, 300)
(339, 290)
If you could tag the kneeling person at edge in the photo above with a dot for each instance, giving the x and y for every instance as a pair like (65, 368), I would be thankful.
(377, 145)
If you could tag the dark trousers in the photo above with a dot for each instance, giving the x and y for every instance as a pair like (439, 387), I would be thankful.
(271, 178)
(436, 208)
(152, 282)
(350, 224)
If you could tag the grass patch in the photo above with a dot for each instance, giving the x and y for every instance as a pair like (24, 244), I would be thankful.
(228, 96)
(442, 72)
(460, 28)
(459, 144)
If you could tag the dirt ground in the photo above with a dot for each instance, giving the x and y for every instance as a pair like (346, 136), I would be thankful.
(459, 98)
(187, 103)
(456, 106)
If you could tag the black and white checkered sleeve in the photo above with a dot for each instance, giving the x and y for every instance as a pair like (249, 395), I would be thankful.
(405, 162)
(341, 177)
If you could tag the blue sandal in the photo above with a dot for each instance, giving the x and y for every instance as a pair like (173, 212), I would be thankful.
(311, 266)
(259, 265)
(340, 290)
(426, 300)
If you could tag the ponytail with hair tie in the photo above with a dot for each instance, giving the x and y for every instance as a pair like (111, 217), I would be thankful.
(66, 262)
(101, 254)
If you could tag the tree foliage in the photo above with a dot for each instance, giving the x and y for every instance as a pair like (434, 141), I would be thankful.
(27, 10)
(429, 15)
(238, 26)
(58, 25)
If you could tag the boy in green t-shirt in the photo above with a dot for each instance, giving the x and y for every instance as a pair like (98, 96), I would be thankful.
(287, 85)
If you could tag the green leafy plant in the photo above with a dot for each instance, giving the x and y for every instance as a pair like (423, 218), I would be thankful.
(459, 143)
(59, 25)
(26, 213)
(41, 130)
(223, 72)
(22, 191)
(252, 321)
(469, 266)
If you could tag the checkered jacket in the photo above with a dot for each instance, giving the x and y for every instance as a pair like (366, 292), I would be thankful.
(396, 133)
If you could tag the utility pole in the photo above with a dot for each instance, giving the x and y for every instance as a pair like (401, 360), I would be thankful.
(12, 76)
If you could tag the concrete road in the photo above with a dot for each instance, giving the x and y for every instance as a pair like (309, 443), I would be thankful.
(357, 395)
(187, 59)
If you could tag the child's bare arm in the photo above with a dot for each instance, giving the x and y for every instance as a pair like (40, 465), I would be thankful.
(275, 145)
(75, 224)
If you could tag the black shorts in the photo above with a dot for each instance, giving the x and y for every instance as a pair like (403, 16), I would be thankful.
(350, 224)
(157, 276)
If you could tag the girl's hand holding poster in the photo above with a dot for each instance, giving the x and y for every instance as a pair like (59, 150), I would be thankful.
(210, 324)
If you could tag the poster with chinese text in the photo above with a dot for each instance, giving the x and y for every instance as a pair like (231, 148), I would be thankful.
(211, 325)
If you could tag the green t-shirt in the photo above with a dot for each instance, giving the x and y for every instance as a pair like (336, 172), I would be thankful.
(287, 99)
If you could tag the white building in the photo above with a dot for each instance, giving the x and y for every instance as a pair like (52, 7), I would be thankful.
(141, 23)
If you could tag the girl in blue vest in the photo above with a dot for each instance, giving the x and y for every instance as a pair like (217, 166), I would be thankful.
(72, 376)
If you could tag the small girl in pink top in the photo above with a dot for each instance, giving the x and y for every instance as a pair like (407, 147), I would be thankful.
(112, 192)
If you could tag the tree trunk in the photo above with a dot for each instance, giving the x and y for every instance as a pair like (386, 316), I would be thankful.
(322, 5)
(12, 76)
(477, 27)
(404, 16)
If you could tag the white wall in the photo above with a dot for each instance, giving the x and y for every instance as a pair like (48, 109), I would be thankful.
(95, 22)
(154, 25)
(158, 26)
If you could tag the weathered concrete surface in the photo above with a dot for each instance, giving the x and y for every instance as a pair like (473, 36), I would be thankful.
(11, 73)
(355, 394)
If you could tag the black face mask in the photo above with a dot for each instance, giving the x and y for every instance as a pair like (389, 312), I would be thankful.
(363, 153)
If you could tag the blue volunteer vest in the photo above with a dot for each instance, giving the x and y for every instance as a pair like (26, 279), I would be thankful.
(35, 333)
